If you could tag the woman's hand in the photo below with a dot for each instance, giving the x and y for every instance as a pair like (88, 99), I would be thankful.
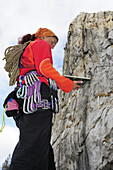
(76, 86)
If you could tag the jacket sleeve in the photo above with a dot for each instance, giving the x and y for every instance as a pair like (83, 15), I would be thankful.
(49, 71)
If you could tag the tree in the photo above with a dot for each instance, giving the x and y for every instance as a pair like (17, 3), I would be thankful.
(6, 164)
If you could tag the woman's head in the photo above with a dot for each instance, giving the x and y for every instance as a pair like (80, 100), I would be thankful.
(47, 35)
(42, 33)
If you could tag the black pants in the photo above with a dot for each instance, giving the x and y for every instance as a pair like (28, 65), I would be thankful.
(33, 151)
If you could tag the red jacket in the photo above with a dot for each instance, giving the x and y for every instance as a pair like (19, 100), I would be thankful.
(37, 55)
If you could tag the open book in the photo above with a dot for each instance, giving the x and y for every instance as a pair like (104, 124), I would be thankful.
(77, 78)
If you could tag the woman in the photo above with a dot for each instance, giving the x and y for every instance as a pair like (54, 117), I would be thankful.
(33, 151)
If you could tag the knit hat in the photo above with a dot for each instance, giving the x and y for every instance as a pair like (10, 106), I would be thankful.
(44, 32)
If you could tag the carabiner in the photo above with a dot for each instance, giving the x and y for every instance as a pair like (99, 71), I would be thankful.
(21, 89)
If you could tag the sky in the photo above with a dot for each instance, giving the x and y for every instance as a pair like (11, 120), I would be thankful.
(19, 17)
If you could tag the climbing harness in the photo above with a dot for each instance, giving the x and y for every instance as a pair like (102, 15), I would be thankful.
(26, 97)
(29, 90)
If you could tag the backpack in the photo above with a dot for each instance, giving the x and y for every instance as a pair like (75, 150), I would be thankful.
(12, 57)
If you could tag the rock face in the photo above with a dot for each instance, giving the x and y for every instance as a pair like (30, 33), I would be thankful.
(82, 135)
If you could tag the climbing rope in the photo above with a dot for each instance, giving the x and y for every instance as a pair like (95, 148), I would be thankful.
(12, 57)
(3, 121)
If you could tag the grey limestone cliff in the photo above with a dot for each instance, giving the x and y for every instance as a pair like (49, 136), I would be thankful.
(82, 135)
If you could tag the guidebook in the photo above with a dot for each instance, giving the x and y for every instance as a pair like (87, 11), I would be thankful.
(77, 78)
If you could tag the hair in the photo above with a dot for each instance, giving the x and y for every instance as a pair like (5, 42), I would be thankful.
(31, 37)
(26, 38)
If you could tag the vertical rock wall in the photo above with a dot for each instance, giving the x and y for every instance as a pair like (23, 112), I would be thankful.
(82, 135)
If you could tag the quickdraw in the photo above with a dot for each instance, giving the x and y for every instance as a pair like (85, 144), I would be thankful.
(54, 96)
(29, 91)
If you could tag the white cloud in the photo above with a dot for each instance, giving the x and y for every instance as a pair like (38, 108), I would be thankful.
(8, 139)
